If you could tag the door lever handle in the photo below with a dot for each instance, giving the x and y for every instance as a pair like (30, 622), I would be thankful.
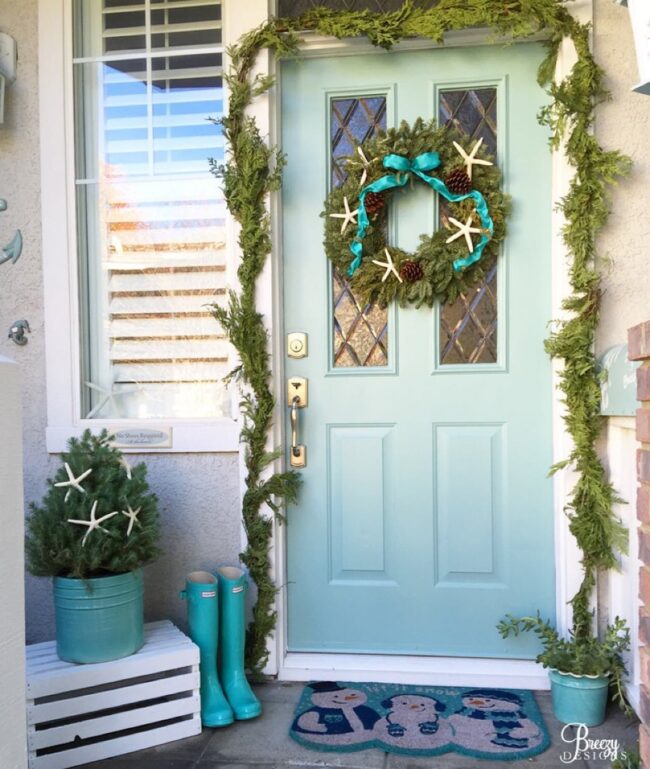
(294, 427)
(298, 456)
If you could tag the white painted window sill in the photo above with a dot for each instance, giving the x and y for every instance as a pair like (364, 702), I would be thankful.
(187, 436)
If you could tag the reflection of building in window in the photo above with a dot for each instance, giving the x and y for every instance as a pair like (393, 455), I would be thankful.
(164, 264)
(151, 216)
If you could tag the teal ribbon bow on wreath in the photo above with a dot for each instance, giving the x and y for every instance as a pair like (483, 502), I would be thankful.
(427, 161)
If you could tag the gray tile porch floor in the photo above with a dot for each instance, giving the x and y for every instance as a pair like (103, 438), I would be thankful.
(265, 744)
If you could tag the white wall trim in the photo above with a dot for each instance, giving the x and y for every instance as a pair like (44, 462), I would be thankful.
(568, 570)
(313, 45)
(13, 732)
(188, 436)
(398, 669)
(59, 258)
(236, 24)
(53, 43)
(568, 573)
(406, 669)
(620, 592)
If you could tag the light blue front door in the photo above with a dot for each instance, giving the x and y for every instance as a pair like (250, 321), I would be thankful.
(426, 512)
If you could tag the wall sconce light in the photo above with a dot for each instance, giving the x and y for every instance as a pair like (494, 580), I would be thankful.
(640, 18)
(8, 60)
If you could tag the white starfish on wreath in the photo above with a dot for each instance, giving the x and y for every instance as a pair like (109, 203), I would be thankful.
(349, 217)
(463, 230)
(389, 265)
(470, 160)
(365, 163)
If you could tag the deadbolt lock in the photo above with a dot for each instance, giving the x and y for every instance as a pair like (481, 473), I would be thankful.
(297, 388)
(297, 344)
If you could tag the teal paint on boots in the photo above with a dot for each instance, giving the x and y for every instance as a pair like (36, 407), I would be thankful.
(232, 597)
(201, 593)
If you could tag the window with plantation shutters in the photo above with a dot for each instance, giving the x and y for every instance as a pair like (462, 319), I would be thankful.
(150, 216)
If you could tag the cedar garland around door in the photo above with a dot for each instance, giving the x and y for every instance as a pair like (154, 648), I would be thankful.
(253, 170)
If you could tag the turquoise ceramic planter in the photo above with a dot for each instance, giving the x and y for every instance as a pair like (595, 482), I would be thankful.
(99, 619)
(579, 699)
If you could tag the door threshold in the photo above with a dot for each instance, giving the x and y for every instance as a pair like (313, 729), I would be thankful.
(407, 669)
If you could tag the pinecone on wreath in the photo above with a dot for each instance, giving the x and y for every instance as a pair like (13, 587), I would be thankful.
(459, 182)
(374, 203)
(411, 271)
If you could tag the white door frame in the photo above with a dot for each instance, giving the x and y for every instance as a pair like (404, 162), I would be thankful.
(457, 671)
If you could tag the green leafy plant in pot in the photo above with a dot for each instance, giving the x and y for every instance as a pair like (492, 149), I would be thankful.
(95, 529)
(629, 759)
(582, 669)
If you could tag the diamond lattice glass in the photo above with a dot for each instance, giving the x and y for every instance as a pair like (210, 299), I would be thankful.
(468, 326)
(360, 331)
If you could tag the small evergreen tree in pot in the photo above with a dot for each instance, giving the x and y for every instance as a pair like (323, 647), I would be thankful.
(96, 526)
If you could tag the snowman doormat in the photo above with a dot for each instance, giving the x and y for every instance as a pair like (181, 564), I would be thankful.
(420, 720)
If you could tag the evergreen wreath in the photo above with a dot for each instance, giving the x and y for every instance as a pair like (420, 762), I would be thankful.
(445, 263)
(253, 170)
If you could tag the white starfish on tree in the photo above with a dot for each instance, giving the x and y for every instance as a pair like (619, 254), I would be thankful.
(471, 159)
(72, 482)
(464, 230)
(132, 515)
(389, 265)
(349, 217)
(126, 466)
(93, 523)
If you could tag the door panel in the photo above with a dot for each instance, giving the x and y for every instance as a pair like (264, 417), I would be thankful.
(358, 505)
(461, 452)
(426, 513)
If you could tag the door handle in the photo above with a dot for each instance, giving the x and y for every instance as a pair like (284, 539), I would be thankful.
(294, 426)
(298, 454)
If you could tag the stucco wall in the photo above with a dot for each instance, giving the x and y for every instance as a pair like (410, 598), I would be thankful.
(198, 493)
(623, 124)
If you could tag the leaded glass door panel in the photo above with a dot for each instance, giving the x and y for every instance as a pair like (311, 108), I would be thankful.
(428, 432)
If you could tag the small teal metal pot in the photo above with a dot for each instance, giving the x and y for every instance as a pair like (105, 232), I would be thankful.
(99, 619)
(579, 699)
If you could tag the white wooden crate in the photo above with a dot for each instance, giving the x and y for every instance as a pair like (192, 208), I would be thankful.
(82, 713)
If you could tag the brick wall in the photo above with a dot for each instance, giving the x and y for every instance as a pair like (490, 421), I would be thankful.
(639, 349)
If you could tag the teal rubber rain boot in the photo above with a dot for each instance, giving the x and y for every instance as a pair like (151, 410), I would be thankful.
(232, 597)
(202, 595)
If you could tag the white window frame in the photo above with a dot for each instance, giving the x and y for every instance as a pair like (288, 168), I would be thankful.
(60, 270)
